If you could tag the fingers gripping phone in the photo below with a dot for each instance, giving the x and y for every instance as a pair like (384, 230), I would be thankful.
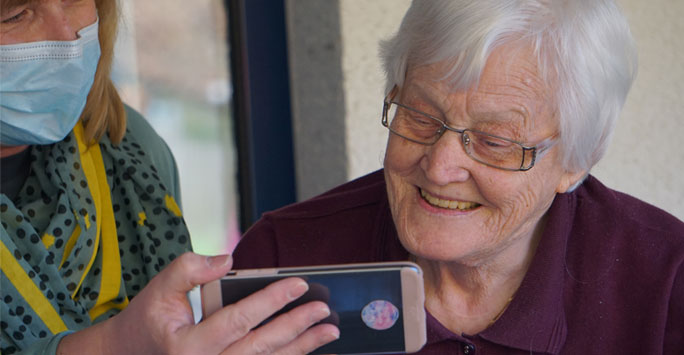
(378, 307)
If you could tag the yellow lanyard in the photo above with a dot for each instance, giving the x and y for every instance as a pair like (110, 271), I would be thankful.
(110, 284)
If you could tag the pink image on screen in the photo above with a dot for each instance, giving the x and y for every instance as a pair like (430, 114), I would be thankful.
(380, 315)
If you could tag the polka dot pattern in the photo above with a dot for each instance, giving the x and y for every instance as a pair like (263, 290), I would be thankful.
(50, 229)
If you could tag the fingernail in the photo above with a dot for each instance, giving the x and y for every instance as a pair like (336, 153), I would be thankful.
(320, 314)
(298, 290)
(334, 335)
(218, 261)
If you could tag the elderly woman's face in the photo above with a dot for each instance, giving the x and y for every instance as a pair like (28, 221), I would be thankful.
(491, 212)
(44, 20)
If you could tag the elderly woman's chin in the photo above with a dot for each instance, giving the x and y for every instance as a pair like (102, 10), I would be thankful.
(437, 233)
(471, 236)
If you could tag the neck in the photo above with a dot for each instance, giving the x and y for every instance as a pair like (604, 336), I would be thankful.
(467, 297)
(6, 150)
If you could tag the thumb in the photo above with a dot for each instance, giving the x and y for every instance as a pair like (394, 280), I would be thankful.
(190, 270)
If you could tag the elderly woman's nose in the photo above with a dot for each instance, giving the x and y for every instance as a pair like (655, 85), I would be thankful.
(446, 161)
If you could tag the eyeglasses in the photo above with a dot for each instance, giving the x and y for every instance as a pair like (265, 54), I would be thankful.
(497, 152)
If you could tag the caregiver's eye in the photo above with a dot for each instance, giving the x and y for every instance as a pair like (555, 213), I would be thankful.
(14, 18)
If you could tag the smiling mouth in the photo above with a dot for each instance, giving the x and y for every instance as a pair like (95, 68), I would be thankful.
(450, 204)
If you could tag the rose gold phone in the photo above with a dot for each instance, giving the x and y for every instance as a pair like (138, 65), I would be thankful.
(378, 307)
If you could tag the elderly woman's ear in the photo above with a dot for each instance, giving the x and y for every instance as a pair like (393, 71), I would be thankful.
(570, 181)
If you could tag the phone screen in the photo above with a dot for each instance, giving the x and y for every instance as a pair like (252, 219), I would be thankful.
(365, 305)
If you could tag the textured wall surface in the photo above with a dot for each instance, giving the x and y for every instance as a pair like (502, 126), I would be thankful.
(315, 57)
(645, 159)
(364, 23)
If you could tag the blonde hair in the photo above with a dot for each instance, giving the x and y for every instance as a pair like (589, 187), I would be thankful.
(104, 111)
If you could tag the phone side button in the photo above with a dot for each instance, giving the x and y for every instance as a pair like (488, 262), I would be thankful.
(256, 272)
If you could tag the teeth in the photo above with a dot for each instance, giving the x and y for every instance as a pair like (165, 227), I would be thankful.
(450, 204)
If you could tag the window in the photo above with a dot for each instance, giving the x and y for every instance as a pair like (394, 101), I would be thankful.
(171, 66)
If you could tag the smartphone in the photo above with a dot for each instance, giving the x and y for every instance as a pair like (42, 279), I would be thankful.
(378, 307)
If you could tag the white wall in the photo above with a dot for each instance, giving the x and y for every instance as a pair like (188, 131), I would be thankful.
(646, 157)
(364, 23)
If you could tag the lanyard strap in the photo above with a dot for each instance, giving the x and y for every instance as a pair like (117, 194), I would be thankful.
(110, 282)
(30, 291)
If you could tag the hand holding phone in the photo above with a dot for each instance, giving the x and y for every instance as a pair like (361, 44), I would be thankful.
(378, 307)
(158, 320)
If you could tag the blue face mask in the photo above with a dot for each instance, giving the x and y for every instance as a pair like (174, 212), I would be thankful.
(44, 87)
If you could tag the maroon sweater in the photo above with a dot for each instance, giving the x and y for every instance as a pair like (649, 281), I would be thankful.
(607, 278)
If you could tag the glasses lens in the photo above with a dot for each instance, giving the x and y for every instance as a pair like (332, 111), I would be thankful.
(485, 148)
(413, 125)
(492, 150)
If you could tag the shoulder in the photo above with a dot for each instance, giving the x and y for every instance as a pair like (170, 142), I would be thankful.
(619, 211)
(140, 132)
(628, 254)
(345, 224)
(612, 228)
(367, 190)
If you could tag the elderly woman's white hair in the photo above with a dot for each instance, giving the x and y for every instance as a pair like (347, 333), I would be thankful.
(585, 46)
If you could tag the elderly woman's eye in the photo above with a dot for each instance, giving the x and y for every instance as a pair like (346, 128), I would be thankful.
(423, 121)
(424, 125)
(493, 143)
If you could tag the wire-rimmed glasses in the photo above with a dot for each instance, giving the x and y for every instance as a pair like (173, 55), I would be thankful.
(497, 152)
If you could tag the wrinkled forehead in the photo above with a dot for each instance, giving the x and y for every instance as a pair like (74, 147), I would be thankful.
(510, 84)
(515, 67)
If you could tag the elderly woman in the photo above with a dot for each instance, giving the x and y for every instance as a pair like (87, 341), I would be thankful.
(89, 211)
(497, 110)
